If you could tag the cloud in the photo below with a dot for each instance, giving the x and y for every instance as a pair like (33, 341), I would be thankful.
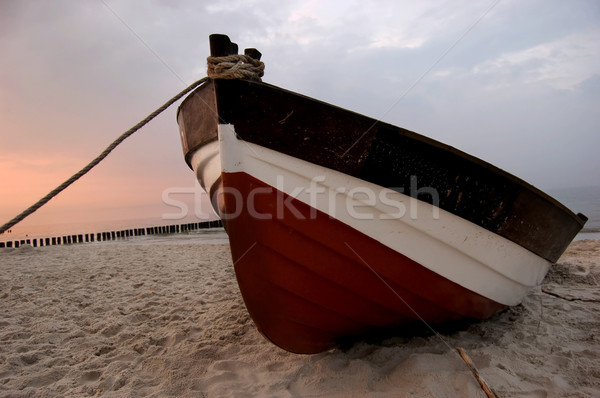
(560, 64)
(74, 77)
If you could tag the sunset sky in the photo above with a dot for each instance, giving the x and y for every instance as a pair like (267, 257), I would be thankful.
(516, 83)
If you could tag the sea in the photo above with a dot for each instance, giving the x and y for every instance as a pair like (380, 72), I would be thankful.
(585, 200)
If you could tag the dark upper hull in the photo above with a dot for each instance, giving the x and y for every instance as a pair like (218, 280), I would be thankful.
(382, 154)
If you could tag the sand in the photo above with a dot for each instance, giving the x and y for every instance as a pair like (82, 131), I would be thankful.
(132, 320)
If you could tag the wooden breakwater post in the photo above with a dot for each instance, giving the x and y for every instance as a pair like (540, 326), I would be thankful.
(111, 235)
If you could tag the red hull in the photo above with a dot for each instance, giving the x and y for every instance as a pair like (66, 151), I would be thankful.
(309, 280)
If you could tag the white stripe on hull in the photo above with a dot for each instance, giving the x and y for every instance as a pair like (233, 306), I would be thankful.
(459, 250)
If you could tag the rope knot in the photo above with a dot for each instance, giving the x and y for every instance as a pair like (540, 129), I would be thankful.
(237, 66)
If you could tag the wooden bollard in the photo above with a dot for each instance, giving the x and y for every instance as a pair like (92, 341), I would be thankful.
(2, 244)
(113, 235)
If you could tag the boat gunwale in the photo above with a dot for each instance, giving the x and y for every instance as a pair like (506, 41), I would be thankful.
(402, 132)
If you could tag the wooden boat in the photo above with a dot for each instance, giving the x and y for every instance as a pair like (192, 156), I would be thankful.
(340, 224)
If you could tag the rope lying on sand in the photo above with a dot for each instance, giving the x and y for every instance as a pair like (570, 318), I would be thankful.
(484, 386)
(229, 67)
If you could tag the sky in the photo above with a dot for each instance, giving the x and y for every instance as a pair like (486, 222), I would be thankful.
(513, 82)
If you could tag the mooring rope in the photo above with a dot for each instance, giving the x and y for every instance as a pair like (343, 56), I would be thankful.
(229, 67)
(237, 66)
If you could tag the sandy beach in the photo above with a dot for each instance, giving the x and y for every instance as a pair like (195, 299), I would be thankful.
(127, 319)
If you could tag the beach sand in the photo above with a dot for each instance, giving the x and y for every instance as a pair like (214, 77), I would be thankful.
(132, 320)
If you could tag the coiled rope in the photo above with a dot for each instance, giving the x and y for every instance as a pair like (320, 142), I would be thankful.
(229, 67)
(235, 67)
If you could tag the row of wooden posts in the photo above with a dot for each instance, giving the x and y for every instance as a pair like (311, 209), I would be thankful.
(112, 235)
